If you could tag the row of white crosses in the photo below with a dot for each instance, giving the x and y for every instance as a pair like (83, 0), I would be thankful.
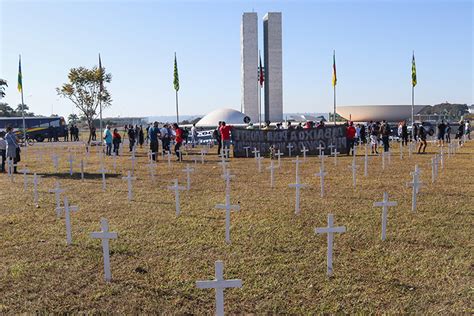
(228, 207)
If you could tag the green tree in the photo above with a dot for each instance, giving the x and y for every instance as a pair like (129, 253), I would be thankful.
(73, 118)
(86, 91)
(6, 111)
(3, 84)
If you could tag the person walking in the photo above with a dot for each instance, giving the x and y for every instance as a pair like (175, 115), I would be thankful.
(178, 138)
(225, 138)
(12, 149)
(422, 138)
(350, 137)
(154, 133)
(3, 151)
(386, 130)
(141, 136)
(441, 133)
(116, 140)
(374, 134)
(108, 140)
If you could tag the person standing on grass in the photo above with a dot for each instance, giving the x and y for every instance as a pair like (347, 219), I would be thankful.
(404, 133)
(225, 137)
(131, 137)
(193, 135)
(3, 151)
(374, 134)
(141, 136)
(467, 130)
(448, 133)
(350, 137)
(12, 148)
(386, 130)
(154, 133)
(441, 132)
(93, 133)
(108, 140)
(217, 136)
(178, 138)
(116, 140)
(422, 138)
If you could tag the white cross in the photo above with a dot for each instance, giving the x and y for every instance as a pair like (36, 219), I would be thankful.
(25, 178)
(322, 158)
(298, 186)
(67, 214)
(105, 236)
(441, 157)
(246, 151)
(330, 230)
(82, 169)
(10, 168)
(353, 166)
(219, 284)
(223, 163)
(35, 189)
(55, 162)
(384, 204)
(366, 161)
(255, 152)
(279, 154)
(289, 149)
(297, 170)
(129, 179)
(272, 168)
(133, 158)
(103, 171)
(383, 160)
(401, 151)
(169, 158)
(227, 177)
(188, 171)
(304, 151)
(259, 162)
(195, 159)
(321, 174)
(320, 148)
(203, 152)
(331, 146)
(151, 167)
(434, 163)
(415, 184)
(57, 192)
(115, 161)
(176, 189)
(227, 207)
(335, 153)
(71, 161)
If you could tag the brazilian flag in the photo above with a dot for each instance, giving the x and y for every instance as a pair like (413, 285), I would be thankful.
(20, 77)
(176, 77)
(413, 71)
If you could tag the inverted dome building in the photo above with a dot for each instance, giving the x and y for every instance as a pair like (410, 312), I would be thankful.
(230, 116)
(366, 113)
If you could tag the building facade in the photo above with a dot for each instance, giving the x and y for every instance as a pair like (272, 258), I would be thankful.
(249, 65)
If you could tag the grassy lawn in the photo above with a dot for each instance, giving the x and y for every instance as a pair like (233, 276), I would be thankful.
(424, 266)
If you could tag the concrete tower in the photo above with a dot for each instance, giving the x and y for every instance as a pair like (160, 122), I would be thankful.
(249, 65)
(272, 45)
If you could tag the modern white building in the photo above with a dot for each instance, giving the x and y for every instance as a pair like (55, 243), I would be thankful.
(272, 45)
(249, 65)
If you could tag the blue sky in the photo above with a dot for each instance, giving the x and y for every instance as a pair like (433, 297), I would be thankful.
(137, 39)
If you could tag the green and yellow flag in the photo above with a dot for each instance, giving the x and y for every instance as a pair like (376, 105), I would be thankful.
(176, 77)
(334, 77)
(20, 77)
(413, 71)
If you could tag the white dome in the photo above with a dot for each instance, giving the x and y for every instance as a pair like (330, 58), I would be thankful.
(365, 113)
(230, 116)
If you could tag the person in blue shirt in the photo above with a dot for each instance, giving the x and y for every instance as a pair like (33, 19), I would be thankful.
(108, 140)
(154, 133)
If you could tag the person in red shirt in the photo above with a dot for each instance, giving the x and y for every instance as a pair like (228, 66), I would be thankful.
(225, 137)
(350, 137)
(178, 138)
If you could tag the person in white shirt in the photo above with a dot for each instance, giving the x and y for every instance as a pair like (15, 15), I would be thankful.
(193, 135)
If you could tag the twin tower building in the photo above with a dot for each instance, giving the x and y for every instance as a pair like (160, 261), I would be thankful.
(272, 54)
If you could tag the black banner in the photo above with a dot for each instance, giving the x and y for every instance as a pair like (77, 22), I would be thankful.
(310, 139)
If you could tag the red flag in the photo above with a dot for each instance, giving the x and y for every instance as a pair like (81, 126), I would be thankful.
(261, 76)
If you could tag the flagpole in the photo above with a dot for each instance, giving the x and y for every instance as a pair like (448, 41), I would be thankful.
(334, 105)
(100, 100)
(413, 102)
(177, 114)
(23, 108)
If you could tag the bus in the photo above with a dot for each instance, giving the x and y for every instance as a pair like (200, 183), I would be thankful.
(37, 128)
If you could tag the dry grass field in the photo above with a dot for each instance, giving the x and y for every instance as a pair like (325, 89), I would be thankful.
(424, 266)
